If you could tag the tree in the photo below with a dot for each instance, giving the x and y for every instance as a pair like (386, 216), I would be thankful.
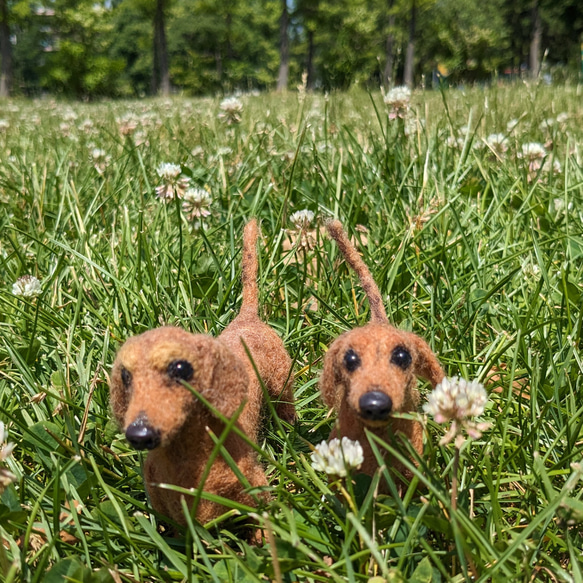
(162, 82)
(5, 51)
(389, 45)
(283, 48)
(410, 54)
(535, 43)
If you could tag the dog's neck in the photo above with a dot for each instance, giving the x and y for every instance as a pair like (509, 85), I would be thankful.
(350, 425)
(194, 442)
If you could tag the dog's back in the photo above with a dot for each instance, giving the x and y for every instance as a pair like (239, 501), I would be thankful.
(269, 358)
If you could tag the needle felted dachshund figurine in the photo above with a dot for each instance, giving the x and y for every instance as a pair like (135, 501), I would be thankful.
(370, 372)
(158, 413)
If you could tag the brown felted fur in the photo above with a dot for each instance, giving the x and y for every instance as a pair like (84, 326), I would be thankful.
(144, 393)
(374, 344)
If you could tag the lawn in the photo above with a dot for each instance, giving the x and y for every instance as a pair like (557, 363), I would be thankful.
(468, 209)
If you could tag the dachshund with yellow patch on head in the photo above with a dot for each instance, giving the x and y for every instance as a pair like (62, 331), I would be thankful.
(158, 413)
(371, 372)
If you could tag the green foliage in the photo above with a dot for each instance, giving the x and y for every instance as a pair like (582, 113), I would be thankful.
(79, 65)
(103, 48)
(476, 251)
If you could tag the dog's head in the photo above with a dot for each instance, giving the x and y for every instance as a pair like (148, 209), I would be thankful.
(374, 370)
(148, 399)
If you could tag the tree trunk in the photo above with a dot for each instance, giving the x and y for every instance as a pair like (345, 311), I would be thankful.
(154, 85)
(283, 48)
(5, 52)
(410, 56)
(535, 42)
(161, 48)
(389, 47)
(310, 60)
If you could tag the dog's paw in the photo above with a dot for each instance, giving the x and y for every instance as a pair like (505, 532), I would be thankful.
(287, 412)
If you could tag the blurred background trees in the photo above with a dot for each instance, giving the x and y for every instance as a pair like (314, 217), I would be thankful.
(92, 48)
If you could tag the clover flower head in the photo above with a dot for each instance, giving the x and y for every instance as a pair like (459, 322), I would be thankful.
(498, 143)
(533, 151)
(562, 117)
(100, 159)
(127, 124)
(196, 203)
(456, 399)
(27, 286)
(4, 125)
(336, 457)
(173, 184)
(398, 99)
(303, 235)
(302, 219)
(231, 110)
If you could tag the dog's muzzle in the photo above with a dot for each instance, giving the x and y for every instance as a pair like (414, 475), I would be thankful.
(142, 435)
(375, 406)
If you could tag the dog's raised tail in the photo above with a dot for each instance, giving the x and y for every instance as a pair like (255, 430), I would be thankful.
(377, 308)
(250, 305)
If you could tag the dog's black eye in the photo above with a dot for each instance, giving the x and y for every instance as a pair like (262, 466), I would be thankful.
(126, 377)
(401, 357)
(180, 370)
(351, 360)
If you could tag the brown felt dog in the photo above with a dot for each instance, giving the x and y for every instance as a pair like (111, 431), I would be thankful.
(157, 412)
(370, 372)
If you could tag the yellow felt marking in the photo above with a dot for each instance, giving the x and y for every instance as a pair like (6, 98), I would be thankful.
(130, 357)
(164, 354)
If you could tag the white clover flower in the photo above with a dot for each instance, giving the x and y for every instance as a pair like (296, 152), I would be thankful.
(303, 235)
(302, 219)
(562, 117)
(27, 286)
(196, 203)
(65, 129)
(86, 126)
(4, 125)
(559, 205)
(97, 154)
(127, 124)
(457, 400)
(398, 100)
(224, 151)
(547, 124)
(231, 110)
(498, 143)
(336, 457)
(6, 476)
(173, 185)
(533, 151)
(100, 159)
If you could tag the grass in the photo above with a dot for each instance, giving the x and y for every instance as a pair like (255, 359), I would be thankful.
(477, 252)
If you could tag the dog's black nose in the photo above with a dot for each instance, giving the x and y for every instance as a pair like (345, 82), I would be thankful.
(142, 435)
(375, 406)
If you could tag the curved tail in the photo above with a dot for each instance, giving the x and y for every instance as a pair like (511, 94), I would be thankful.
(250, 306)
(377, 309)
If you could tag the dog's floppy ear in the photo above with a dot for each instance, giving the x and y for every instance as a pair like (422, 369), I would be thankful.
(121, 381)
(426, 366)
(330, 377)
(228, 382)
(119, 397)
